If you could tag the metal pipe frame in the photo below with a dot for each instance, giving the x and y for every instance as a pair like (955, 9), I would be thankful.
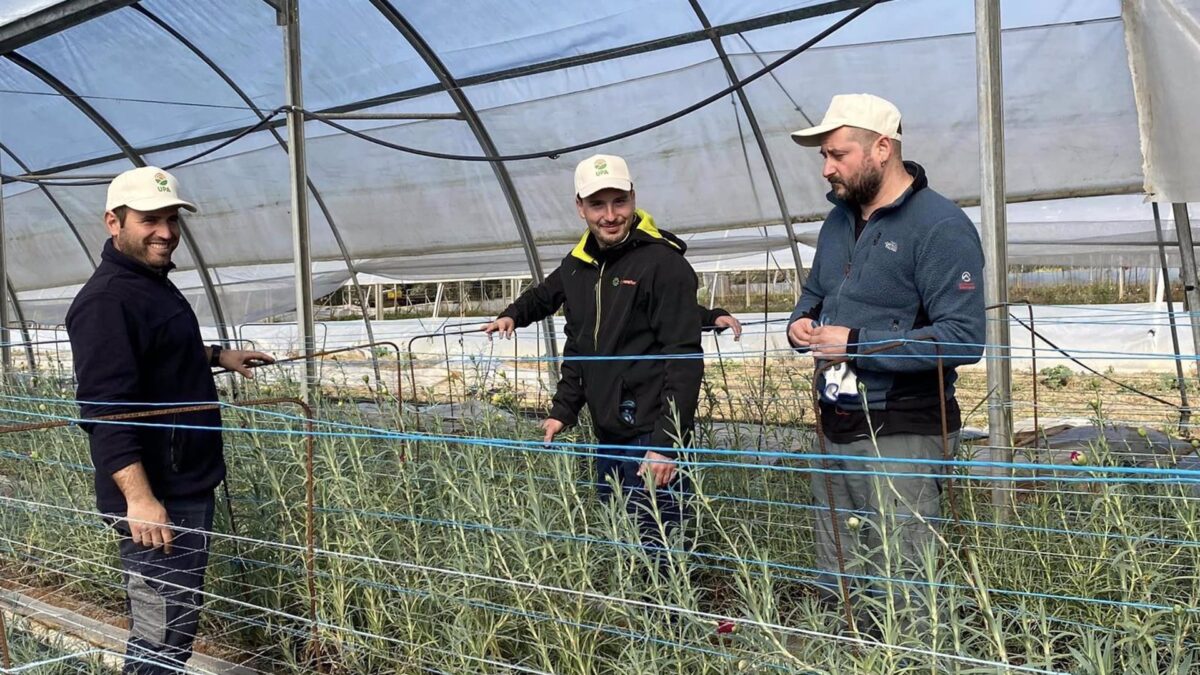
(690, 37)
(1187, 269)
(1185, 410)
(12, 291)
(312, 188)
(30, 358)
(57, 206)
(752, 120)
(289, 20)
(54, 19)
(995, 239)
(393, 116)
(136, 158)
(5, 348)
(454, 89)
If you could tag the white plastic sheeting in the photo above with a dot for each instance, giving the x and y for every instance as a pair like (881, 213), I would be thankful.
(1163, 38)
(407, 217)
(1113, 231)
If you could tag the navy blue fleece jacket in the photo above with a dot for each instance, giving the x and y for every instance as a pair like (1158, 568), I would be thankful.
(135, 341)
(915, 273)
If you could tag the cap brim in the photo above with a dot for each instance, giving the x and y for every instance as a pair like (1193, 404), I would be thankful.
(811, 137)
(604, 184)
(157, 203)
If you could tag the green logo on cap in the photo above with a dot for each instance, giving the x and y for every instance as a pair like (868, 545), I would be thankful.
(601, 167)
(161, 180)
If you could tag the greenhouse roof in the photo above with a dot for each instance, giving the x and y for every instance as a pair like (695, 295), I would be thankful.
(93, 88)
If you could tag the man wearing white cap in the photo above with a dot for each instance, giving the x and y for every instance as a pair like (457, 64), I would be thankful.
(136, 343)
(626, 291)
(895, 285)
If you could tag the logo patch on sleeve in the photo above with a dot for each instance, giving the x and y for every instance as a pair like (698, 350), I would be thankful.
(966, 282)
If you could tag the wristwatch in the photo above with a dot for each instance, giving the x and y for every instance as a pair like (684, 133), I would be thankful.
(214, 357)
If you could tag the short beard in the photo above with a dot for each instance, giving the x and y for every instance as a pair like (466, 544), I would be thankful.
(139, 250)
(864, 187)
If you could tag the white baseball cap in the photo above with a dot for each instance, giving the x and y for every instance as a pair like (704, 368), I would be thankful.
(600, 172)
(863, 111)
(146, 188)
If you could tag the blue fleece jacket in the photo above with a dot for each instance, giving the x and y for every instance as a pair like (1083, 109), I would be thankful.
(915, 273)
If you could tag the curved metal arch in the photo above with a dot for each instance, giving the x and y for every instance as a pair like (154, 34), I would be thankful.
(486, 144)
(312, 188)
(115, 136)
(752, 120)
(54, 201)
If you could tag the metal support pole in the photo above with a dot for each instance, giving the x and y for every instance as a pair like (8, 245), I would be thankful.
(995, 238)
(1185, 412)
(289, 18)
(1187, 265)
(5, 349)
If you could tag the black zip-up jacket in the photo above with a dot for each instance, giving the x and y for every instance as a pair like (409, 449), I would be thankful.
(635, 299)
(135, 339)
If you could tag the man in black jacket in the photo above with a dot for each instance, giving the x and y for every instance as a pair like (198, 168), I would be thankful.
(627, 292)
(136, 345)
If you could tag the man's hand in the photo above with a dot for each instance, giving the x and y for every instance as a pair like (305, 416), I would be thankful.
(505, 326)
(800, 332)
(149, 525)
(657, 470)
(829, 341)
(730, 321)
(241, 361)
(552, 427)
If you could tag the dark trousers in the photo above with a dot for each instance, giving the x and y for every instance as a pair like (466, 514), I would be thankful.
(659, 513)
(164, 592)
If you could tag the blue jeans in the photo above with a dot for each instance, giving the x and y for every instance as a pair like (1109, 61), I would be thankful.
(164, 592)
(667, 505)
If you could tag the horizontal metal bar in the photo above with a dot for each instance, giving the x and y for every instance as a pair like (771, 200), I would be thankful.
(54, 19)
(389, 116)
(70, 176)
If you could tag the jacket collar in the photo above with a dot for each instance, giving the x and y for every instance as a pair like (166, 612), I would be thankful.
(112, 255)
(920, 182)
(644, 229)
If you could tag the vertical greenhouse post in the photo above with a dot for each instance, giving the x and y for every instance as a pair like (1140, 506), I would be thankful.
(995, 236)
(1187, 265)
(289, 18)
(5, 349)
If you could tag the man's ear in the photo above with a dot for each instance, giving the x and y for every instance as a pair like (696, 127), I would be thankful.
(112, 223)
(886, 147)
(579, 207)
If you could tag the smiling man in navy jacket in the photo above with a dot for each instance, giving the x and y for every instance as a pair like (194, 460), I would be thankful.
(898, 268)
(136, 345)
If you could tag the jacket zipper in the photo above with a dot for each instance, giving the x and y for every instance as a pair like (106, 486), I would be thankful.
(847, 268)
(854, 242)
(596, 329)
(174, 450)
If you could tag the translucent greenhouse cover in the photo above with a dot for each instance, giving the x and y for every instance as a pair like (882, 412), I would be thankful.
(162, 80)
